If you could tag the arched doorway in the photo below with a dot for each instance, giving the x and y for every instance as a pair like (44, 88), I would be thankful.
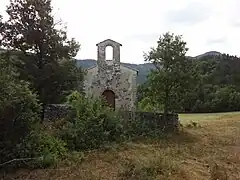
(109, 96)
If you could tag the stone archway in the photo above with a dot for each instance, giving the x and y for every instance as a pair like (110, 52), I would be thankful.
(109, 96)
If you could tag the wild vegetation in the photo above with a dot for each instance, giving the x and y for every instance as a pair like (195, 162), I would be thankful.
(172, 72)
(43, 52)
(213, 86)
(37, 68)
(209, 151)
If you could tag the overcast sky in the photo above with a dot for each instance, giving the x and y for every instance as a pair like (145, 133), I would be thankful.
(206, 25)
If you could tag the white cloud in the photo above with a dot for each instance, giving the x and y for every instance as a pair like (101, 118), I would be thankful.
(137, 24)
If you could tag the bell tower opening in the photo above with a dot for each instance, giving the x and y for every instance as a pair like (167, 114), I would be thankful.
(108, 50)
(109, 53)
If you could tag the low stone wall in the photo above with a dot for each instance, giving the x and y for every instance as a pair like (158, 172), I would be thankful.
(149, 119)
(54, 112)
(153, 120)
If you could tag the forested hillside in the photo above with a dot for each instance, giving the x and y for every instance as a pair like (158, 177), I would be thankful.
(215, 85)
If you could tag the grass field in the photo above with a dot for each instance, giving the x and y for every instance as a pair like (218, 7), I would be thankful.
(208, 150)
(186, 118)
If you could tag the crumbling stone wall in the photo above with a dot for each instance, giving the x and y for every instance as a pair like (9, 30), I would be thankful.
(53, 112)
(152, 120)
(110, 75)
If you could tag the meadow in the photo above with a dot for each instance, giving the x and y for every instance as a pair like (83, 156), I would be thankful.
(207, 147)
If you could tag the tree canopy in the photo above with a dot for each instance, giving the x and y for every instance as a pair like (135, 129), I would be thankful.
(212, 86)
(42, 51)
(171, 76)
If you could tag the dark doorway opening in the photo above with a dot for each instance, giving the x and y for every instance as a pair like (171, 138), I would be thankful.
(109, 97)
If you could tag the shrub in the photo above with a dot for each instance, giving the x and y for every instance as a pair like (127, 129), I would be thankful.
(19, 109)
(45, 149)
(95, 124)
(19, 118)
(147, 105)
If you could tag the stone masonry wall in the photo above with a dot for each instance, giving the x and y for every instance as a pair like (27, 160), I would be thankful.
(152, 120)
(54, 112)
(110, 75)
(123, 85)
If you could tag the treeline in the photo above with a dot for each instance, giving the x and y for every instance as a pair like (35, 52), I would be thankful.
(217, 87)
(214, 87)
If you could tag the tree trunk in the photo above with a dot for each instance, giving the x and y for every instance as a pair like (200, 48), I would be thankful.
(166, 104)
(41, 94)
(42, 112)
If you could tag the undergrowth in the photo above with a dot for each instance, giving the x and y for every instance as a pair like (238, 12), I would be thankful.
(94, 126)
(209, 152)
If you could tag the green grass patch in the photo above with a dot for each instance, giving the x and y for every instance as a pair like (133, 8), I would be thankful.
(187, 118)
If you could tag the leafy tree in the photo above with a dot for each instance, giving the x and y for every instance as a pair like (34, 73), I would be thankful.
(149, 105)
(212, 86)
(42, 48)
(172, 73)
(61, 80)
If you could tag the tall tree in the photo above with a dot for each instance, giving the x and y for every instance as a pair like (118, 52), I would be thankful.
(43, 47)
(171, 76)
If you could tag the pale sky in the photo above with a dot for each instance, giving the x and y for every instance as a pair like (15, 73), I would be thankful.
(206, 25)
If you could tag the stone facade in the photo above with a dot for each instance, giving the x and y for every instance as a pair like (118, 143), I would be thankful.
(112, 76)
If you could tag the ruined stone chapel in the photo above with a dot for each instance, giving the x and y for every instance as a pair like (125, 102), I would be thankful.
(111, 79)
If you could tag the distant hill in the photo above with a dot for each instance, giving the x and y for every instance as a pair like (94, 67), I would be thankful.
(210, 53)
(143, 69)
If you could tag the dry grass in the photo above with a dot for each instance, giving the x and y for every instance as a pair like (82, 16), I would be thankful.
(211, 151)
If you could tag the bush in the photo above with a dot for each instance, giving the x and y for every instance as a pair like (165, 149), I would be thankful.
(20, 137)
(95, 124)
(19, 109)
(45, 149)
(147, 105)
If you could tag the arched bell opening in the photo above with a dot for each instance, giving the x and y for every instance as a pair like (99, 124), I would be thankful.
(109, 53)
